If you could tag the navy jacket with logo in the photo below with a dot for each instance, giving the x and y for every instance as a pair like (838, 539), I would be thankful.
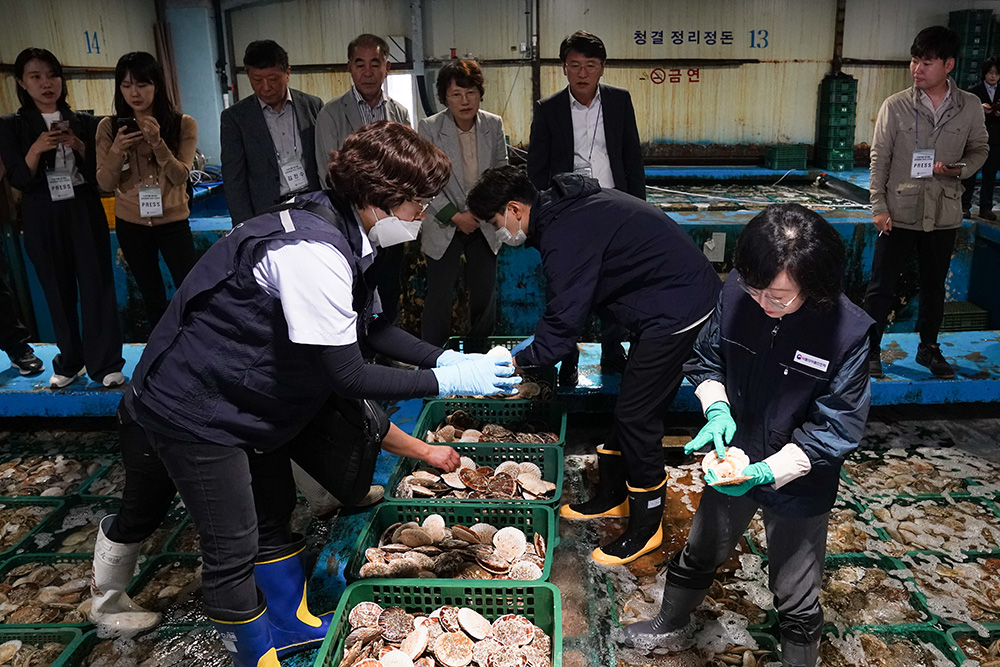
(623, 258)
(802, 379)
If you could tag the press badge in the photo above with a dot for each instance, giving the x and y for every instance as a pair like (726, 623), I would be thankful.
(60, 185)
(295, 176)
(811, 361)
(923, 164)
(150, 202)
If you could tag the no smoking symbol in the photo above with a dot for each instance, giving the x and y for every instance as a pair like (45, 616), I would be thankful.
(657, 76)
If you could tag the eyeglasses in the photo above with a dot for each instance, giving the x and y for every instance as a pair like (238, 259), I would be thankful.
(464, 95)
(422, 204)
(756, 294)
(589, 68)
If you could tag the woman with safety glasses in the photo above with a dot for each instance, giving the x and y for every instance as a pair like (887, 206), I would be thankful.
(781, 372)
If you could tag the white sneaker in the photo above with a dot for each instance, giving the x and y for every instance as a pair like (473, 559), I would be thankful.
(59, 381)
(115, 379)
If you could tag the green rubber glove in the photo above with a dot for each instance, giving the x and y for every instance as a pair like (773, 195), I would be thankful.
(720, 429)
(759, 473)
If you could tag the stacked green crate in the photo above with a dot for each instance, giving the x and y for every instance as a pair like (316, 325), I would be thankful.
(838, 102)
(977, 29)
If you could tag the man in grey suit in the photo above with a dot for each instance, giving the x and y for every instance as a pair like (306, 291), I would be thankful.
(364, 103)
(474, 141)
(268, 140)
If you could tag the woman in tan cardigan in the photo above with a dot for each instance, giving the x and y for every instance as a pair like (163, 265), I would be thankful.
(144, 154)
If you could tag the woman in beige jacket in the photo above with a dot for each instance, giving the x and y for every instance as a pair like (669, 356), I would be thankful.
(144, 154)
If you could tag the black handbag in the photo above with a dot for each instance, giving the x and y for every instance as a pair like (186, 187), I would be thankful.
(340, 446)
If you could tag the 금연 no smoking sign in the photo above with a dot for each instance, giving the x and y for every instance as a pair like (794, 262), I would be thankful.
(658, 76)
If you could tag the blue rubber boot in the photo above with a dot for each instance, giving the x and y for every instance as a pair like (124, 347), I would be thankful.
(248, 641)
(281, 576)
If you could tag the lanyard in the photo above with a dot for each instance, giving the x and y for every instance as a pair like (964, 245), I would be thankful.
(593, 138)
(295, 131)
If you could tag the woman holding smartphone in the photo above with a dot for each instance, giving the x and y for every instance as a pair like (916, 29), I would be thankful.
(48, 150)
(144, 154)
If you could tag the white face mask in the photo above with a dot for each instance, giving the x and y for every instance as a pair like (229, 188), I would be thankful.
(505, 237)
(390, 231)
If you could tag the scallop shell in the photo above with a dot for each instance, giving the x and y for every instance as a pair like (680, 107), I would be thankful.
(9, 649)
(465, 461)
(510, 543)
(513, 630)
(453, 479)
(470, 435)
(416, 537)
(426, 475)
(365, 615)
(484, 531)
(416, 642)
(395, 624)
(474, 624)
(434, 526)
(731, 466)
(395, 658)
(525, 570)
(453, 649)
(510, 468)
(449, 619)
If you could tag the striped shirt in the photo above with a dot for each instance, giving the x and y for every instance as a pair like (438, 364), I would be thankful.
(369, 115)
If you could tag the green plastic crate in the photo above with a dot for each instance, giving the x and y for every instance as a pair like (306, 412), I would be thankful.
(835, 165)
(854, 504)
(45, 559)
(69, 637)
(936, 638)
(540, 603)
(55, 503)
(917, 599)
(467, 344)
(187, 617)
(833, 86)
(836, 119)
(103, 458)
(530, 519)
(547, 457)
(938, 499)
(964, 316)
(962, 631)
(968, 22)
(79, 651)
(494, 411)
(785, 157)
(826, 144)
(833, 154)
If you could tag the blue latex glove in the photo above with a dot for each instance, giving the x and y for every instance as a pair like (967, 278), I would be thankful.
(451, 357)
(720, 429)
(759, 473)
(522, 346)
(476, 377)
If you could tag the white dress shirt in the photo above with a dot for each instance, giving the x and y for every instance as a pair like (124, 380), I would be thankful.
(590, 147)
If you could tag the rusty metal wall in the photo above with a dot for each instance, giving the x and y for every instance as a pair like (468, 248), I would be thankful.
(81, 34)
(316, 31)
(482, 29)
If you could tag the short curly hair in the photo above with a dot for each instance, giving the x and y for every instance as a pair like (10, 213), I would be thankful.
(384, 164)
(465, 73)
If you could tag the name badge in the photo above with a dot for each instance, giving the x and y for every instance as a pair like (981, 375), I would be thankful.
(584, 171)
(60, 185)
(811, 361)
(295, 176)
(923, 164)
(150, 202)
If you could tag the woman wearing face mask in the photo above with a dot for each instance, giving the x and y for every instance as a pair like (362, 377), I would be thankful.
(144, 154)
(474, 141)
(48, 150)
(608, 252)
(781, 370)
(266, 330)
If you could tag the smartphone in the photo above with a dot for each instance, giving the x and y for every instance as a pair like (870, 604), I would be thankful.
(131, 124)
(59, 126)
(955, 165)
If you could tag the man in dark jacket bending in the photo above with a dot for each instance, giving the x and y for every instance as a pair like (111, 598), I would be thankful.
(608, 252)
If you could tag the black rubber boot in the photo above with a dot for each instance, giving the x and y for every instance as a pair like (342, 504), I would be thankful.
(672, 625)
(645, 527)
(799, 655)
(611, 498)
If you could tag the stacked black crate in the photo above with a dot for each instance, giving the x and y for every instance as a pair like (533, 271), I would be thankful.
(977, 29)
(838, 103)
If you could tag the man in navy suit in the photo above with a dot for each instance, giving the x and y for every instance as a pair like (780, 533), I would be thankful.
(588, 128)
(987, 92)
(268, 139)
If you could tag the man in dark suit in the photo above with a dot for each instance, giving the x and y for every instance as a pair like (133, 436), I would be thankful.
(268, 140)
(588, 128)
(987, 92)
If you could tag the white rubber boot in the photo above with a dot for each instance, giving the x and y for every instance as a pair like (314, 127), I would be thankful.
(111, 609)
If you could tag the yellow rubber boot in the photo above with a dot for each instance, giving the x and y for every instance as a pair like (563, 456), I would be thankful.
(611, 499)
(645, 527)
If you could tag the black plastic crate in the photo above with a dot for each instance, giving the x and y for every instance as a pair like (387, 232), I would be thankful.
(964, 316)
(785, 157)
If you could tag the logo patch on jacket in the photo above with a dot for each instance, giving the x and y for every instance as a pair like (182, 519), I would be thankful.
(811, 361)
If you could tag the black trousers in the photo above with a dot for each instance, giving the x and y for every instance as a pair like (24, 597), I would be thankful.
(70, 247)
(650, 382)
(480, 278)
(389, 286)
(13, 334)
(142, 245)
(892, 251)
(989, 174)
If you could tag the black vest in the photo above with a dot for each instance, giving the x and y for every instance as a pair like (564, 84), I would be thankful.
(219, 364)
(773, 378)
